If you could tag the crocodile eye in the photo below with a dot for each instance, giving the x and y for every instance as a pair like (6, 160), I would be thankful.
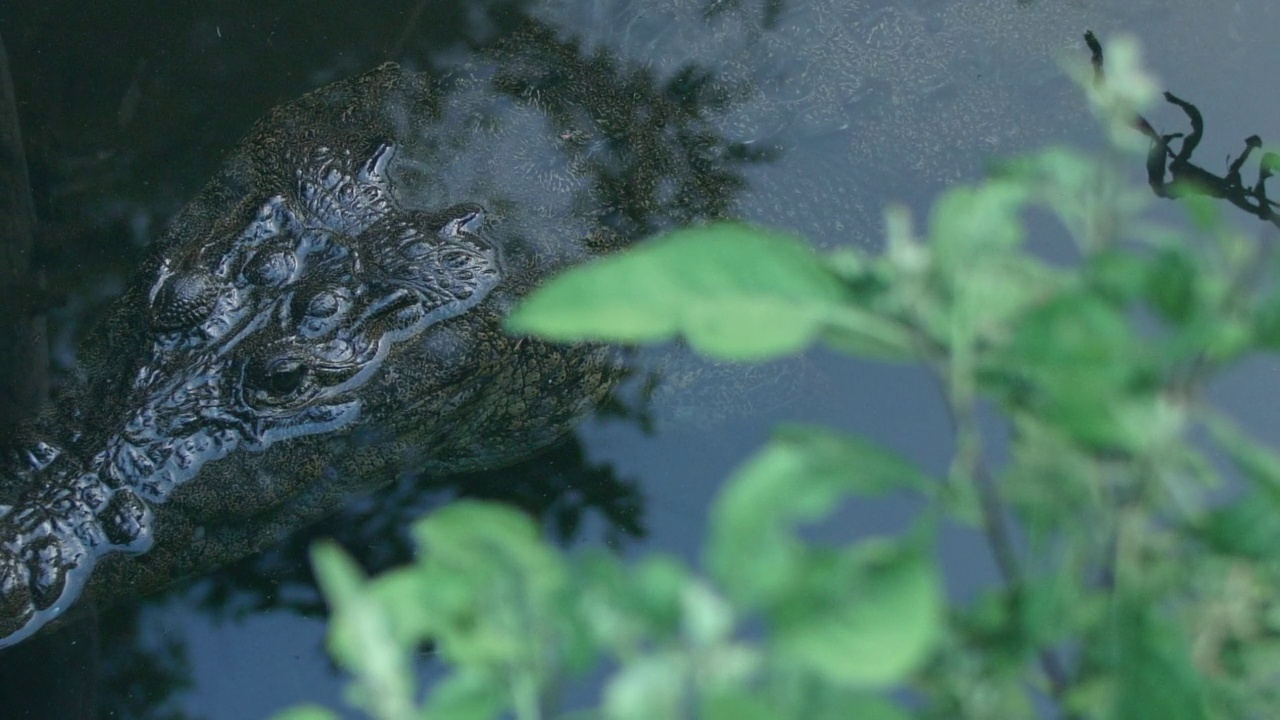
(274, 269)
(322, 312)
(280, 379)
(326, 304)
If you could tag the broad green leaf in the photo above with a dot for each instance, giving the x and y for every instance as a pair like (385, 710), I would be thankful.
(976, 220)
(859, 327)
(490, 539)
(400, 592)
(1075, 362)
(979, 280)
(732, 291)
(1249, 527)
(798, 477)
(361, 637)
(1059, 176)
(868, 624)
(1053, 607)
(1154, 677)
(496, 587)
(627, 606)
(1049, 479)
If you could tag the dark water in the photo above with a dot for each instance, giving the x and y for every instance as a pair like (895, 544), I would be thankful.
(127, 107)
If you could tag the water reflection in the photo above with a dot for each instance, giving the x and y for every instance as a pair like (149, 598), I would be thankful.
(560, 487)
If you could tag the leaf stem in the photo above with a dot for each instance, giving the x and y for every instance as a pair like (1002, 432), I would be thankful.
(971, 465)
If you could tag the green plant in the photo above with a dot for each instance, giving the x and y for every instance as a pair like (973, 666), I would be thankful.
(1126, 592)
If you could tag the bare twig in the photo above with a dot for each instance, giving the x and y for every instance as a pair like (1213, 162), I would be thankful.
(995, 524)
(1187, 178)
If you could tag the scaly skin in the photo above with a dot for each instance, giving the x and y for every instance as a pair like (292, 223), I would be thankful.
(302, 332)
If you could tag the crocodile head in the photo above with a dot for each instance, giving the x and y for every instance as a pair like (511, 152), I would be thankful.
(271, 332)
(261, 331)
(325, 318)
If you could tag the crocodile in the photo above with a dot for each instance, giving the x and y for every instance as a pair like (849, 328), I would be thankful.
(313, 324)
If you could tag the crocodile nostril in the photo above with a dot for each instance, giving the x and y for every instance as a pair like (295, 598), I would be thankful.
(48, 575)
(124, 521)
(15, 594)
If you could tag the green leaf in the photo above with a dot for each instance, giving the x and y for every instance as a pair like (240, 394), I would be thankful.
(1260, 465)
(798, 477)
(860, 705)
(306, 712)
(976, 219)
(1171, 285)
(400, 593)
(979, 278)
(863, 617)
(466, 695)
(361, 637)
(469, 531)
(867, 334)
(1249, 527)
(733, 291)
(870, 623)
(738, 704)
(1265, 322)
(707, 619)
(1204, 212)
(1120, 276)
(1154, 677)
(627, 606)
(1078, 361)
(1245, 528)
(339, 577)
(652, 686)
(496, 589)
(849, 263)
(809, 702)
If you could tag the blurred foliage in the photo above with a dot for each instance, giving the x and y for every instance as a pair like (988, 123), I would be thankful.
(1135, 526)
(571, 497)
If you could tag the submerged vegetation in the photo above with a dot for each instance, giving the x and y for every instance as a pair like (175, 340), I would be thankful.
(1129, 588)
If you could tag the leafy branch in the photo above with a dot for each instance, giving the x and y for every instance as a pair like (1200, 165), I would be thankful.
(1129, 590)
